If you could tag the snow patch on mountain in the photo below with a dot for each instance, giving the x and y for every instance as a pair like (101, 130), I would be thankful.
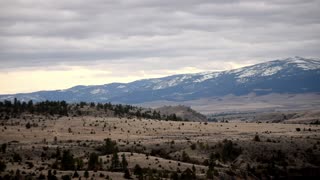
(248, 73)
(173, 82)
(206, 76)
(98, 91)
(305, 64)
(242, 80)
(270, 71)
(121, 86)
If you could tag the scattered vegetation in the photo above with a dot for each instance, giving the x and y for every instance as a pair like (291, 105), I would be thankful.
(169, 150)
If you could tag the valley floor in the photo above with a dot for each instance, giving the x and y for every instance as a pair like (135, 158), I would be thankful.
(243, 150)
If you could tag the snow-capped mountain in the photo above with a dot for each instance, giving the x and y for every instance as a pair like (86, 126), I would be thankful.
(291, 75)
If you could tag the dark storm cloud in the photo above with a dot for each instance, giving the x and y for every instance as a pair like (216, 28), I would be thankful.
(44, 33)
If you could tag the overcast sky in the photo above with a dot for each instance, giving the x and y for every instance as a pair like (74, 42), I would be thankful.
(56, 44)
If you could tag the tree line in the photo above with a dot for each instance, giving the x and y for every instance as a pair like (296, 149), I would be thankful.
(15, 108)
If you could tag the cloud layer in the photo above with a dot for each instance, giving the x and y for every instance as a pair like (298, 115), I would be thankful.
(154, 37)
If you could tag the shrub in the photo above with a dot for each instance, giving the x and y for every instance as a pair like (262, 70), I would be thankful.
(42, 176)
(193, 146)
(28, 125)
(65, 177)
(17, 157)
(256, 138)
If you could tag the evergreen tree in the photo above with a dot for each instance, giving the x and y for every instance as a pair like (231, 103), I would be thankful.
(4, 147)
(79, 163)
(86, 174)
(187, 174)
(51, 176)
(211, 164)
(93, 163)
(66, 177)
(185, 157)
(3, 166)
(127, 174)
(58, 153)
(115, 161)
(75, 174)
(67, 161)
(124, 162)
(194, 171)
(109, 147)
(138, 171)
(175, 176)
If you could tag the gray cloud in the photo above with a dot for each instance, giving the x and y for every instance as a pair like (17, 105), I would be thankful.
(160, 34)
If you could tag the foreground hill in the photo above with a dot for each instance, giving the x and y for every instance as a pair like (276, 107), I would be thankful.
(291, 75)
(18, 109)
(68, 146)
(184, 112)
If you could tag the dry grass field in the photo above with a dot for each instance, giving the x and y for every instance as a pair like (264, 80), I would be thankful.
(243, 150)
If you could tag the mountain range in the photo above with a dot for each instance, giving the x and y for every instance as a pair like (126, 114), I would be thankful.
(291, 75)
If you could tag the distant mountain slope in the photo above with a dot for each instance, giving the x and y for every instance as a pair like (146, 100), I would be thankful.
(291, 75)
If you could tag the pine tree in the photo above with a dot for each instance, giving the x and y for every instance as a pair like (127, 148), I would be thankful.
(194, 171)
(187, 174)
(115, 161)
(109, 147)
(211, 166)
(124, 162)
(127, 174)
(75, 174)
(67, 161)
(4, 148)
(138, 171)
(86, 174)
(93, 163)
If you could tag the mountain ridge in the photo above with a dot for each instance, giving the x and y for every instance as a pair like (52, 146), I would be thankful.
(289, 75)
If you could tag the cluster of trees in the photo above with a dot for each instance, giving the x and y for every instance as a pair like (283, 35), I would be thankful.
(110, 147)
(156, 115)
(10, 109)
(129, 110)
(225, 151)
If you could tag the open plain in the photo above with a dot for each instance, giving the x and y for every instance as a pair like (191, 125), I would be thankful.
(162, 148)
